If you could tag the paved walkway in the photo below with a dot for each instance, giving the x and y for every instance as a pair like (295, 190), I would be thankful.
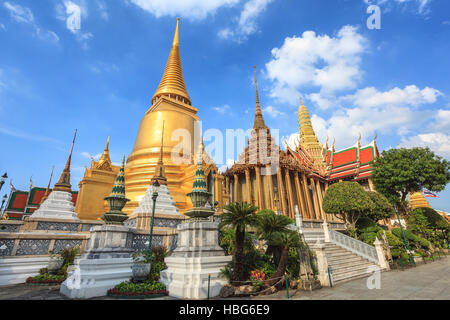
(426, 281)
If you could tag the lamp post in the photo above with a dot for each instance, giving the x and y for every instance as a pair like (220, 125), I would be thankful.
(3, 179)
(5, 197)
(154, 197)
(404, 239)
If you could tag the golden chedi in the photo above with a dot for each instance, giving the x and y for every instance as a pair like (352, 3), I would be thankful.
(417, 200)
(171, 105)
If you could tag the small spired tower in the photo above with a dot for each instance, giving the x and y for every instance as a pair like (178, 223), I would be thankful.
(59, 203)
(107, 260)
(198, 253)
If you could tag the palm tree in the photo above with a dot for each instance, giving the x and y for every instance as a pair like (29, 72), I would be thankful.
(238, 216)
(285, 240)
(269, 223)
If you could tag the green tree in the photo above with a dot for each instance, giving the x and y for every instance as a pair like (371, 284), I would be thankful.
(383, 208)
(348, 201)
(269, 223)
(399, 172)
(238, 216)
(286, 240)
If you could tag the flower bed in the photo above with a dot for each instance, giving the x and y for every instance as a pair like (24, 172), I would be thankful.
(46, 280)
(145, 290)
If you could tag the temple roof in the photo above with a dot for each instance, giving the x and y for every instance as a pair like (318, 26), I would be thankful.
(26, 202)
(172, 81)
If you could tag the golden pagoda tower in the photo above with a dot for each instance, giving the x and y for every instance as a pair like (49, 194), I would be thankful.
(308, 137)
(417, 200)
(171, 105)
(63, 183)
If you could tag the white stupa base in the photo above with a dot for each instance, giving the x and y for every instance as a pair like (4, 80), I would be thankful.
(164, 203)
(93, 278)
(58, 205)
(187, 278)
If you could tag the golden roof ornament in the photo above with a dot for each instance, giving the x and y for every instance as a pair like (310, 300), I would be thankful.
(104, 163)
(47, 191)
(172, 83)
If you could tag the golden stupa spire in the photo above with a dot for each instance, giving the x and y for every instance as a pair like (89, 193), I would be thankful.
(160, 172)
(64, 181)
(308, 137)
(172, 83)
(259, 120)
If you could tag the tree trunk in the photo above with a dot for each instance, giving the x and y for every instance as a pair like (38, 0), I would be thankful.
(281, 270)
(238, 269)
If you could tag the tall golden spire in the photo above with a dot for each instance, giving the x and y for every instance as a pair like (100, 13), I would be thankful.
(160, 173)
(64, 181)
(172, 83)
(308, 137)
(259, 120)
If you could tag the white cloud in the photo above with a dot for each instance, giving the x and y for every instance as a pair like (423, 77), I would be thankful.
(103, 9)
(191, 9)
(438, 142)
(222, 110)
(272, 112)
(230, 163)
(422, 6)
(246, 23)
(90, 156)
(329, 63)
(19, 13)
(2, 27)
(24, 15)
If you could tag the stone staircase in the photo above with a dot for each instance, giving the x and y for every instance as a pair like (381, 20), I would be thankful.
(345, 264)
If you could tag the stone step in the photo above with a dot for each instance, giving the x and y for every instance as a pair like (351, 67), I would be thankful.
(339, 275)
(362, 266)
(340, 261)
(349, 278)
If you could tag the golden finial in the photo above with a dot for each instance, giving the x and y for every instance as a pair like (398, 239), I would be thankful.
(360, 137)
(172, 82)
(63, 183)
(259, 119)
(31, 182)
(376, 136)
(107, 144)
(256, 86)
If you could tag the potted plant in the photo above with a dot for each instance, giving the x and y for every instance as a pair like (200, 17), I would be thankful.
(55, 263)
(142, 265)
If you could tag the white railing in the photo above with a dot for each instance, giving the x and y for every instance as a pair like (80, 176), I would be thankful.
(358, 247)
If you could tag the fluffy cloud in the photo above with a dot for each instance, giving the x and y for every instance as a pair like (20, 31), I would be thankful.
(272, 112)
(369, 110)
(438, 142)
(24, 15)
(191, 9)
(422, 6)
(222, 110)
(246, 23)
(329, 63)
(73, 14)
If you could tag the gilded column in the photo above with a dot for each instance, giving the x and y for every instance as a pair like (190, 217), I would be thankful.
(235, 188)
(258, 185)
(281, 193)
(249, 186)
(300, 196)
(308, 196)
(290, 194)
(315, 199)
(320, 198)
(269, 178)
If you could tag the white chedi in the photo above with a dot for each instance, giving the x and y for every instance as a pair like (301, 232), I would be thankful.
(58, 205)
(164, 203)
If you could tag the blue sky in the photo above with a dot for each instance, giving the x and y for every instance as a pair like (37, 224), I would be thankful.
(101, 78)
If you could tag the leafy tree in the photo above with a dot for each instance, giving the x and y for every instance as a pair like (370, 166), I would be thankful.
(348, 201)
(429, 224)
(269, 223)
(383, 208)
(238, 216)
(286, 240)
(399, 172)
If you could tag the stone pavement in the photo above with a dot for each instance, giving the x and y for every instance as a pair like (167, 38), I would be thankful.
(429, 281)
